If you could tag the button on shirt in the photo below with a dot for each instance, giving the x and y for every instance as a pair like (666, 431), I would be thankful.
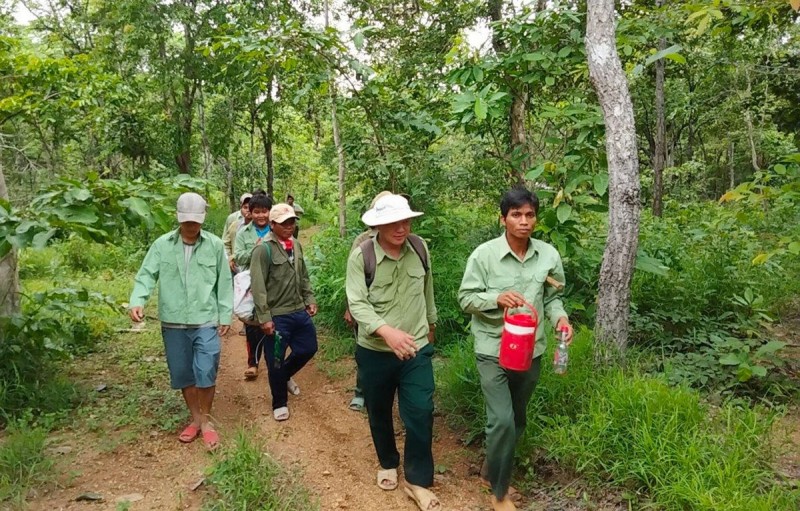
(198, 294)
(401, 296)
(493, 268)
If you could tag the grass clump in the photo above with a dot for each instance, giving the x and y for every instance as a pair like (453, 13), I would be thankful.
(246, 478)
(23, 463)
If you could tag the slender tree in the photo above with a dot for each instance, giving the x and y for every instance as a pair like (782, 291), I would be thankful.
(608, 78)
(9, 275)
(660, 156)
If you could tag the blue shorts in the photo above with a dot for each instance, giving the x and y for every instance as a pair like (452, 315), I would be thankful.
(192, 356)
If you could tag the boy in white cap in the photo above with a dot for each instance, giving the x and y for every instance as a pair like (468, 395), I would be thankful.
(284, 305)
(390, 294)
(195, 304)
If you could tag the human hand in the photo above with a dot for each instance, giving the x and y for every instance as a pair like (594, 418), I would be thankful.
(268, 327)
(232, 264)
(223, 329)
(510, 299)
(311, 309)
(136, 313)
(401, 343)
(563, 324)
(348, 318)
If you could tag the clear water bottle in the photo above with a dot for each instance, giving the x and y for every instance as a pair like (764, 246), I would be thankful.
(562, 353)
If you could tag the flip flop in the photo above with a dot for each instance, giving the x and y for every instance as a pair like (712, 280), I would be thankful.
(251, 373)
(211, 439)
(189, 433)
(356, 404)
(387, 479)
(281, 414)
(423, 497)
(503, 505)
(292, 387)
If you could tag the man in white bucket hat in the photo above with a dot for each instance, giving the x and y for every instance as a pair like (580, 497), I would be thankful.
(504, 273)
(390, 294)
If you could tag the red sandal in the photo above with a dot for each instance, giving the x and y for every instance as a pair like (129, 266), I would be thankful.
(211, 439)
(189, 434)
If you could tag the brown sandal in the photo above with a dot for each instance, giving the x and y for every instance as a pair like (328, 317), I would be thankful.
(251, 373)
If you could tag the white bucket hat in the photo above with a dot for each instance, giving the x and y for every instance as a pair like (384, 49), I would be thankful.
(191, 208)
(388, 209)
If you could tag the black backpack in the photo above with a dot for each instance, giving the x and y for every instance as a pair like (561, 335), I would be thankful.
(368, 253)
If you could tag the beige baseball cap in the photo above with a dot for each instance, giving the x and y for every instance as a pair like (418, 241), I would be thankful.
(191, 208)
(281, 213)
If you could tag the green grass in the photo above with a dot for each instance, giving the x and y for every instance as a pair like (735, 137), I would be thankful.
(23, 464)
(246, 478)
(633, 431)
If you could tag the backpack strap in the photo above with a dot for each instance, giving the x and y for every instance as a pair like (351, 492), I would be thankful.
(368, 254)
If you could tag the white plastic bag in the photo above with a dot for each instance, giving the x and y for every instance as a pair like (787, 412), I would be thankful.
(243, 298)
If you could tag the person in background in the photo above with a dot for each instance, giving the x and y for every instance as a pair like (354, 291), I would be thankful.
(195, 304)
(247, 239)
(506, 273)
(396, 316)
(284, 306)
(298, 210)
(232, 224)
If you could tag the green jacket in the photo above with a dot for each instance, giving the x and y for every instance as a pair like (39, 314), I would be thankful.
(207, 296)
(401, 296)
(493, 268)
(288, 283)
(245, 240)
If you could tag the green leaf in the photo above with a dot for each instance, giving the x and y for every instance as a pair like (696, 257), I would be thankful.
(794, 247)
(731, 359)
(480, 109)
(477, 72)
(770, 348)
(651, 265)
(675, 48)
(759, 371)
(535, 172)
(564, 52)
(550, 80)
(600, 182)
(563, 212)
(358, 40)
(41, 239)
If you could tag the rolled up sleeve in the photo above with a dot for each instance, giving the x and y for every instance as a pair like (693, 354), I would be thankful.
(472, 294)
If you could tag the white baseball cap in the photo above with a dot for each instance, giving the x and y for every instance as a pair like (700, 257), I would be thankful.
(388, 209)
(191, 208)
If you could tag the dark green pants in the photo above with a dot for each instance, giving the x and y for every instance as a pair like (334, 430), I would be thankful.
(506, 394)
(381, 375)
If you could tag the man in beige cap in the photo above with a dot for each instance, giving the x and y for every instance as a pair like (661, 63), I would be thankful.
(195, 304)
(284, 305)
(394, 307)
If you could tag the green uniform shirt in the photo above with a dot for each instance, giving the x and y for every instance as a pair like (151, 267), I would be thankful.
(245, 241)
(288, 283)
(493, 268)
(401, 296)
(231, 222)
(205, 297)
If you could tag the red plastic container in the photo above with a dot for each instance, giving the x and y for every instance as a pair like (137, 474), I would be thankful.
(518, 340)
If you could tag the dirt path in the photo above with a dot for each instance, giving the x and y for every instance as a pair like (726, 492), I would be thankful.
(329, 444)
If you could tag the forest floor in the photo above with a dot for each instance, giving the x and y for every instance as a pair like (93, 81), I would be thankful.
(324, 443)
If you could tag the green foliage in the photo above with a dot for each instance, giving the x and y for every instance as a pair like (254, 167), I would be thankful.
(23, 463)
(244, 476)
(55, 326)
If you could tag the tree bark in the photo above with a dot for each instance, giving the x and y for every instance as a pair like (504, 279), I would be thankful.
(661, 132)
(337, 142)
(619, 257)
(9, 272)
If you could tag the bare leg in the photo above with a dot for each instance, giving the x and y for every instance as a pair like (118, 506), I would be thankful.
(190, 395)
(205, 400)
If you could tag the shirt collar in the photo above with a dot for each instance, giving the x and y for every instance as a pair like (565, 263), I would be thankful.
(175, 236)
(505, 249)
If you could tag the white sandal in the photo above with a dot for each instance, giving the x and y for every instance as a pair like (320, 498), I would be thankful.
(281, 414)
(293, 387)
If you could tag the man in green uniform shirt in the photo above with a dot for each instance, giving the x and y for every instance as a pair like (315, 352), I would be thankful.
(396, 316)
(506, 273)
(195, 304)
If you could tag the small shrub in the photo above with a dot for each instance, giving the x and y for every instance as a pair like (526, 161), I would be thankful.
(246, 477)
(23, 463)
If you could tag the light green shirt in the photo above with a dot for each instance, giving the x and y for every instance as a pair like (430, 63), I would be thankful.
(233, 222)
(245, 241)
(493, 268)
(197, 295)
(401, 296)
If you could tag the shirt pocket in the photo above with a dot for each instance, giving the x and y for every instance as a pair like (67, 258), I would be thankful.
(282, 269)
(500, 283)
(382, 288)
(416, 281)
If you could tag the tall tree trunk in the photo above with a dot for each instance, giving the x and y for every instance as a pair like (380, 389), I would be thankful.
(229, 183)
(201, 117)
(9, 273)
(661, 132)
(619, 257)
(266, 137)
(337, 142)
